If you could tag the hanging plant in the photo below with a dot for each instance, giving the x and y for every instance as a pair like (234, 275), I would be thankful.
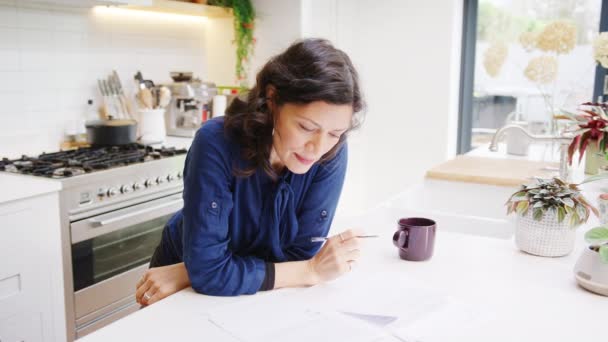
(244, 16)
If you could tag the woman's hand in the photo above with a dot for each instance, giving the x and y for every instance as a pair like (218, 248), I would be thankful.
(160, 282)
(337, 256)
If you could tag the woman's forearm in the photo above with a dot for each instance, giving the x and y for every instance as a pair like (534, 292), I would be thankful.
(294, 274)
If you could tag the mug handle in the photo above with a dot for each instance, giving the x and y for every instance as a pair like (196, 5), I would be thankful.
(401, 238)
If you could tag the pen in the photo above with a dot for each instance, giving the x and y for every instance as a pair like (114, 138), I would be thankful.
(321, 238)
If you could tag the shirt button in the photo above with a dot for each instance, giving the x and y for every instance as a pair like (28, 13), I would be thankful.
(214, 205)
(323, 213)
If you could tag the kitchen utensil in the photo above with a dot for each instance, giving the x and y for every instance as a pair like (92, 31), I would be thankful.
(111, 132)
(139, 79)
(109, 99)
(126, 105)
(156, 95)
(415, 238)
(120, 107)
(106, 106)
(141, 82)
(146, 99)
(149, 84)
(164, 97)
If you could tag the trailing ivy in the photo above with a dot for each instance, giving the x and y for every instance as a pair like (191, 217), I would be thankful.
(244, 16)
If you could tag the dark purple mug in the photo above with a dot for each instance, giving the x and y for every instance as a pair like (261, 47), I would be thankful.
(415, 238)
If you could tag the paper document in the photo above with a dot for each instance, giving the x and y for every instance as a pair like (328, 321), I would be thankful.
(454, 321)
(368, 297)
(284, 318)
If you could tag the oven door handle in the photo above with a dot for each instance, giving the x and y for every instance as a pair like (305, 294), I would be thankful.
(124, 218)
(98, 222)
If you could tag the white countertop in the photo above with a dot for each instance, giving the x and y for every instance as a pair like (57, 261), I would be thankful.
(15, 187)
(509, 295)
(537, 152)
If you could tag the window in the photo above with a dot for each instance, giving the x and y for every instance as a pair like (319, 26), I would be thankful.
(523, 60)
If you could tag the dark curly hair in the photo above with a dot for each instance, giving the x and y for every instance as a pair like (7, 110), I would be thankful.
(309, 70)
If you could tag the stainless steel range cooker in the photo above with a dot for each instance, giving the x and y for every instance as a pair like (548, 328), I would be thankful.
(114, 204)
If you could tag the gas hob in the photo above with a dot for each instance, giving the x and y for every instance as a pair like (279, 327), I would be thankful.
(86, 160)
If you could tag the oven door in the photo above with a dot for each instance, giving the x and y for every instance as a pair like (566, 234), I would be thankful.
(109, 254)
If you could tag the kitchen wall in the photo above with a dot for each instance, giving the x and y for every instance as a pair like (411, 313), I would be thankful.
(408, 55)
(50, 58)
(277, 26)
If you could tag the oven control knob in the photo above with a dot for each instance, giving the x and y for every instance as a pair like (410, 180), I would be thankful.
(125, 189)
(148, 183)
(112, 192)
(170, 178)
(101, 192)
(137, 186)
(179, 175)
(160, 180)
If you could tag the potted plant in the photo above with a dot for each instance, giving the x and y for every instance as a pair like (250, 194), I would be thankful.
(589, 129)
(244, 16)
(591, 270)
(548, 213)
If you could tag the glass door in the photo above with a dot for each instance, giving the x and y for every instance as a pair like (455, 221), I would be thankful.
(107, 245)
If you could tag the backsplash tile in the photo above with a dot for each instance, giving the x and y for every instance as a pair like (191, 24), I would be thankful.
(8, 15)
(8, 37)
(9, 60)
(51, 57)
(11, 81)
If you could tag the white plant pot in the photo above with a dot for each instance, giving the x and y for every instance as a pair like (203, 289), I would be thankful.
(546, 237)
(591, 273)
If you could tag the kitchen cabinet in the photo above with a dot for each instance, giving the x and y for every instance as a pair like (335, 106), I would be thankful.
(179, 7)
(163, 6)
(31, 273)
(89, 3)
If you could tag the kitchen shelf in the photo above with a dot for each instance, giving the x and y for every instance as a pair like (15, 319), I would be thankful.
(179, 7)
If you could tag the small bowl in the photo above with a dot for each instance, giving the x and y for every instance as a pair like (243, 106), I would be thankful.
(181, 76)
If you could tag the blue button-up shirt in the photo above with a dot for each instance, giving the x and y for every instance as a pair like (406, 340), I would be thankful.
(230, 226)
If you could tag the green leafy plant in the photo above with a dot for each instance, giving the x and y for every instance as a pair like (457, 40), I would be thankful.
(555, 197)
(244, 16)
(598, 238)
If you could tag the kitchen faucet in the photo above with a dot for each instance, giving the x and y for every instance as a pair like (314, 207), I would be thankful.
(564, 142)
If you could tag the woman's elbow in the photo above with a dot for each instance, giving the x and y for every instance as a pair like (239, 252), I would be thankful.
(218, 290)
(209, 289)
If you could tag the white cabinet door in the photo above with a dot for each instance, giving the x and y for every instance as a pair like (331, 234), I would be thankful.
(22, 327)
(30, 270)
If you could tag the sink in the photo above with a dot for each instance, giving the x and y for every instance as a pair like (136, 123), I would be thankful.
(468, 208)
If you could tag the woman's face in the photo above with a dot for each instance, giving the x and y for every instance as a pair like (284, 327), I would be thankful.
(304, 133)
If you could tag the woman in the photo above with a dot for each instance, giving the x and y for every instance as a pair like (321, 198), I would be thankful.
(262, 181)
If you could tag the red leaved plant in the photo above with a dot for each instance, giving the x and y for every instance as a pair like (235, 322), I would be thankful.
(591, 127)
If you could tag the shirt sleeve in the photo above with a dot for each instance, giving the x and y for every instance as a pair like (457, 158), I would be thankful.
(212, 267)
(319, 205)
